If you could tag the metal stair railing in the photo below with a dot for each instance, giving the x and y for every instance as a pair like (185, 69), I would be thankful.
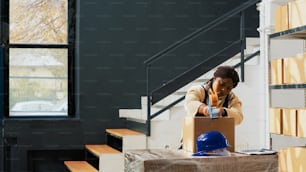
(183, 97)
(238, 10)
(196, 71)
(201, 30)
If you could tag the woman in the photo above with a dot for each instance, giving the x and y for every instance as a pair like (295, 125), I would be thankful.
(228, 104)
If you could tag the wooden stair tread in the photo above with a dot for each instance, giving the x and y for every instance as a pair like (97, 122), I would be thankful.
(101, 149)
(120, 132)
(79, 166)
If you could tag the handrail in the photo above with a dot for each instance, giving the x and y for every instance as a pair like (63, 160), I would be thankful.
(248, 58)
(205, 28)
(188, 38)
(183, 97)
(167, 107)
(210, 57)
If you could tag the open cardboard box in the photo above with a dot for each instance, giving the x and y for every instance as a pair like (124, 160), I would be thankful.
(195, 126)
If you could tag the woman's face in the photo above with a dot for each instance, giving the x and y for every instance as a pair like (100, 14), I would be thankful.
(222, 86)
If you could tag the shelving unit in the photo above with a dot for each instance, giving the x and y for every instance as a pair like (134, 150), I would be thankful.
(281, 140)
(295, 33)
(288, 86)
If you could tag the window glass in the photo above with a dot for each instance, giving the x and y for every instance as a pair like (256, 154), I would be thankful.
(38, 21)
(38, 81)
(38, 51)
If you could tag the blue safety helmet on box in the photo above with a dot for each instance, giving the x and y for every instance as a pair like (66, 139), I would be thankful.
(211, 143)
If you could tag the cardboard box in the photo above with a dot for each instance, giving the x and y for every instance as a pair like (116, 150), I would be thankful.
(276, 121)
(295, 69)
(282, 160)
(289, 122)
(297, 13)
(301, 123)
(195, 126)
(292, 159)
(281, 17)
(277, 74)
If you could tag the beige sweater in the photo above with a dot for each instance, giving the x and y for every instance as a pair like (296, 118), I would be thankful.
(196, 94)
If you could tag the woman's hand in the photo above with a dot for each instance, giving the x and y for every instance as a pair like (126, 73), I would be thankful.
(222, 112)
(203, 109)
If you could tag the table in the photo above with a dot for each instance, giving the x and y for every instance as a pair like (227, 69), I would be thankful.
(167, 160)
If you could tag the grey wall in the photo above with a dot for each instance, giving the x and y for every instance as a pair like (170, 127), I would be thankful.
(114, 39)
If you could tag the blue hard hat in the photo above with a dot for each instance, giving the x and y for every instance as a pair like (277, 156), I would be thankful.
(210, 141)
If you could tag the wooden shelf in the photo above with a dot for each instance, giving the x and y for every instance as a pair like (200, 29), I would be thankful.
(288, 86)
(295, 33)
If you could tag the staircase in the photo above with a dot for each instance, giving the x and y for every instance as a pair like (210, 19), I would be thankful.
(79, 166)
(109, 157)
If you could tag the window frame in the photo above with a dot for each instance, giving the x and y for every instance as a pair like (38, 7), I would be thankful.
(70, 46)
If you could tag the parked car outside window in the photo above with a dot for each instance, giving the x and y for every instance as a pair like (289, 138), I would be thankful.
(33, 106)
(39, 108)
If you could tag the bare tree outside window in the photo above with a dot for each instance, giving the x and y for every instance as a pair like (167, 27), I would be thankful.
(38, 21)
(38, 76)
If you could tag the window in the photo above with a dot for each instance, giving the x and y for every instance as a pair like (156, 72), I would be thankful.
(39, 52)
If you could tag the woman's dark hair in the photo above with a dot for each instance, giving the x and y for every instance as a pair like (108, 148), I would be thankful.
(227, 72)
